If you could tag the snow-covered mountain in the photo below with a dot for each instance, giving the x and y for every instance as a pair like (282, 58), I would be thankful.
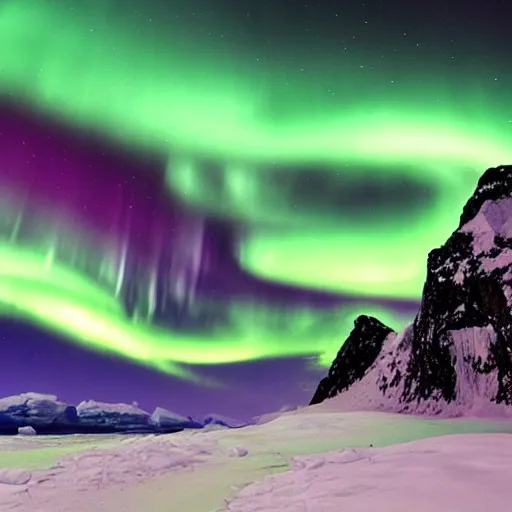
(456, 357)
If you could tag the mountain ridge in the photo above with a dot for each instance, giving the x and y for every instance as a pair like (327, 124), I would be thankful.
(456, 356)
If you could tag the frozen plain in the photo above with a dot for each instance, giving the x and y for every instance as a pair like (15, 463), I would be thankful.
(315, 459)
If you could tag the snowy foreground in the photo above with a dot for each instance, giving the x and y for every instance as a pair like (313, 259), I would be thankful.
(312, 460)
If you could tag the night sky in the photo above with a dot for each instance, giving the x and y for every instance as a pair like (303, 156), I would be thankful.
(197, 198)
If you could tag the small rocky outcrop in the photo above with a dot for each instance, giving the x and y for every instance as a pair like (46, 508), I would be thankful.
(354, 358)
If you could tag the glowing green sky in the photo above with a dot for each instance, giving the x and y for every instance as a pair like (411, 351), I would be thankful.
(63, 301)
(176, 90)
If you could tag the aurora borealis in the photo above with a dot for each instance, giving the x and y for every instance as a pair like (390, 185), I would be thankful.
(188, 184)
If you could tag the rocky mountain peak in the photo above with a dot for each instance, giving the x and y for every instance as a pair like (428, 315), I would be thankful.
(457, 354)
(354, 358)
(493, 185)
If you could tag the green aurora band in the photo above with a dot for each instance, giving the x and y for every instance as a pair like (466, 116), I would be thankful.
(63, 301)
(143, 88)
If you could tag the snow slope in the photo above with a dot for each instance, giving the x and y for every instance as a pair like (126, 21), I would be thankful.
(202, 471)
(467, 473)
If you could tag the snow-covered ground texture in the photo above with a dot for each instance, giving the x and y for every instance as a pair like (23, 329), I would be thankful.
(281, 465)
(467, 473)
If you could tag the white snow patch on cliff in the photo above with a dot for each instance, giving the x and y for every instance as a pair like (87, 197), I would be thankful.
(474, 390)
(507, 229)
(460, 275)
(494, 218)
(504, 259)
(483, 234)
(498, 214)
(508, 294)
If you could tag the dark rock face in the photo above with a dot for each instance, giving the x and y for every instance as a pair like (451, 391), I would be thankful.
(459, 351)
(354, 358)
